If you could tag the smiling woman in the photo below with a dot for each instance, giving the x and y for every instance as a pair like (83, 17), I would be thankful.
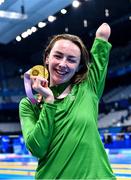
(62, 133)
(79, 47)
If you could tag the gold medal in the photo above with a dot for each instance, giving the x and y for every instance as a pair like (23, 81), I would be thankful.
(39, 70)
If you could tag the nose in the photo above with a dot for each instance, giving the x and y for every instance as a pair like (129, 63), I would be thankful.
(63, 62)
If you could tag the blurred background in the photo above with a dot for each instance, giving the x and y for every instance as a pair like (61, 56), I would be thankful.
(25, 28)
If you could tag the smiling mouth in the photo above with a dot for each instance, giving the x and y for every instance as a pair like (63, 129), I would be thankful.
(61, 73)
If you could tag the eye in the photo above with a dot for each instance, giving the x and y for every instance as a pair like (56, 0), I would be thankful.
(57, 56)
(72, 60)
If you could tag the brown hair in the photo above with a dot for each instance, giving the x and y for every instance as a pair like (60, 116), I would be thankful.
(83, 67)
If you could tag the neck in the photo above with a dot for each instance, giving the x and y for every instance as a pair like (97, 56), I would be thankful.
(61, 90)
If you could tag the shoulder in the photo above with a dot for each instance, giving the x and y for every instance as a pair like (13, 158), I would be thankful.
(24, 102)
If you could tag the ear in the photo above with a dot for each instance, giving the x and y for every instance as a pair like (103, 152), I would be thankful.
(47, 61)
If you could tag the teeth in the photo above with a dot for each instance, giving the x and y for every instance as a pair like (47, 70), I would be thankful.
(61, 72)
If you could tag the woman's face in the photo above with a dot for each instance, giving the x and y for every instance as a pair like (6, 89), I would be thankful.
(63, 61)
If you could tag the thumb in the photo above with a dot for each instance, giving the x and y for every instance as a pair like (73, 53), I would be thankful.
(103, 31)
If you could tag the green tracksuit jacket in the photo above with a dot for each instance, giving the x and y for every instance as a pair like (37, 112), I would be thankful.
(64, 135)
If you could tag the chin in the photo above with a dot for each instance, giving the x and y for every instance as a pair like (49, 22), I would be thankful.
(57, 82)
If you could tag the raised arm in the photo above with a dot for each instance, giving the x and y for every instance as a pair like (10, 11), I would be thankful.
(37, 126)
(99, 56)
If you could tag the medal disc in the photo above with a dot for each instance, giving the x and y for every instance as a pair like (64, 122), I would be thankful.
(39, 70)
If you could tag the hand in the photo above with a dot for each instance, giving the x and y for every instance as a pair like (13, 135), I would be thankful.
(40, 85)
(103, 32)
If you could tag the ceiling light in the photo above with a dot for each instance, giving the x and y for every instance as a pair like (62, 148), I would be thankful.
(75, 3)
(24, 34)
(106, 12)
(33, 29)
(12, 15)
(85, 23)
(18, 38)
(66, 29)
(1, 1)
(41, 24)
(63, 11)
(29, 32)
(51, 18)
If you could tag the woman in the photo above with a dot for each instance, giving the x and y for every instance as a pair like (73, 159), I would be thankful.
(62, 133)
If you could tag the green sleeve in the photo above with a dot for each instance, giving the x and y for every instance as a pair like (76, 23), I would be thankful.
(99, 62)
(37, 126)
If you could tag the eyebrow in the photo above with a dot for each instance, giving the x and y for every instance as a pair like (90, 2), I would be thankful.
(70, 56)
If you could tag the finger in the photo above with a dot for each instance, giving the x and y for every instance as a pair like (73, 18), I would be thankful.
(44, 83)
(38, 77)
(39, 98)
